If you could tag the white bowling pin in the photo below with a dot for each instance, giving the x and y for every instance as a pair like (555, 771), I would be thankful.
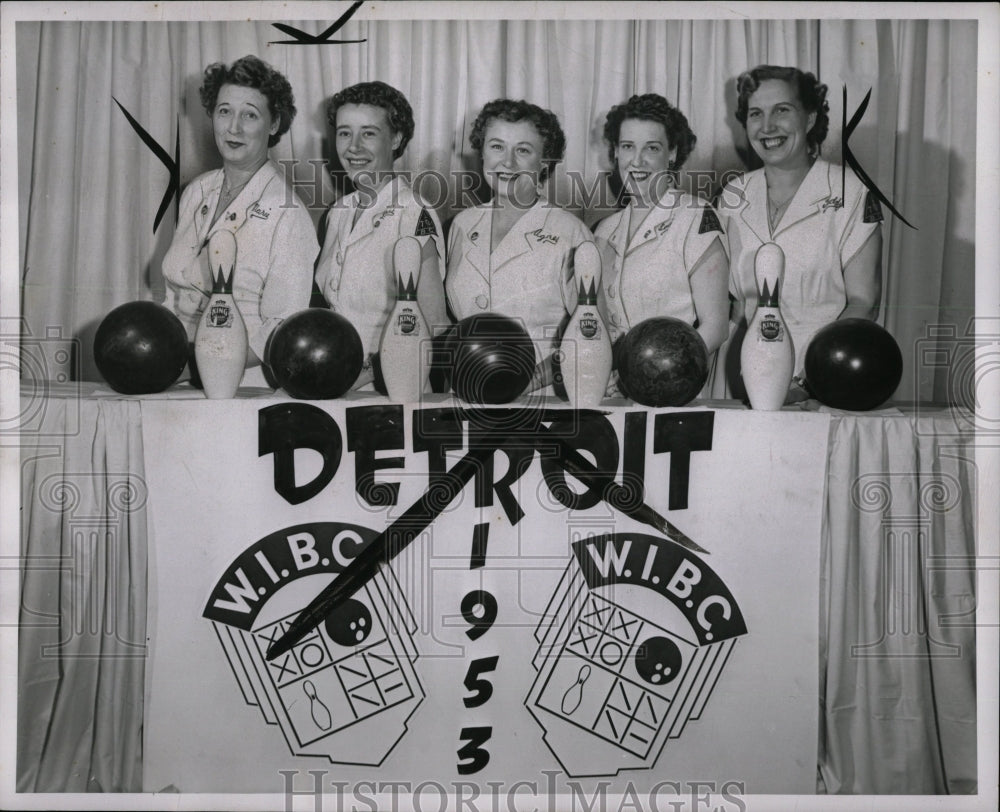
(767, 356)
(586, 345)
(220, 344)
(405, 335)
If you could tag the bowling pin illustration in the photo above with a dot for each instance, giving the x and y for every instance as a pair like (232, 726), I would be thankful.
(405, 334)
(767, 356)
(574, 694)
(320, 712)
(586, 345)
(220, 344)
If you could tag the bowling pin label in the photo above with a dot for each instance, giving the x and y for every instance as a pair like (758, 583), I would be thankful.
(586, 355)
(220, 344)
(767, 356)
(404, 370)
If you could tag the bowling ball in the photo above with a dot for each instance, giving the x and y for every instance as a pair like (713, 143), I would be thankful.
(658, 660)
(315, 354)
(853, 364)
(661, 362)
(349, 624)
(140, 348)
(492, 359)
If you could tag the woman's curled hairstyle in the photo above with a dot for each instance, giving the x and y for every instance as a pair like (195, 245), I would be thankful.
(811, 92)
(652, 107)
(377, 94)
(249, 71)
(544, 121)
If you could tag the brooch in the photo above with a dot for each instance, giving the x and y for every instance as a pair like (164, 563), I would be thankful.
(474, 236)
(204, 210)
(832, 202)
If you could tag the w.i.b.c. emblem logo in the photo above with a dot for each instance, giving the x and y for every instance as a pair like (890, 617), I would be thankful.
(347, 689)
(634, 641)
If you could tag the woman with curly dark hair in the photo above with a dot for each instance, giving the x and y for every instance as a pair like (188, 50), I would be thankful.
(514, 255)
(251, 106)
(826, 222)
(663, 252)
(373, 123)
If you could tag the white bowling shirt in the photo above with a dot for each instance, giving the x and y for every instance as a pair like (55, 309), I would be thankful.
(651, 275)
(276, 247)
(355, 271)
(529, 276)
(821, 231)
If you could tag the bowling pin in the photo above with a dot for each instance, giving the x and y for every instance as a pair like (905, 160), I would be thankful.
(405, 335)
(586, 345)
(220, 344)
(319, 711)
(767, 356)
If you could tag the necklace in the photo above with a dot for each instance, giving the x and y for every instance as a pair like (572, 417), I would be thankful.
(229, 194)
(776, 209)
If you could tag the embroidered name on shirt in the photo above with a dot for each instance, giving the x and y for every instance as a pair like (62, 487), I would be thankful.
(659, 228)
(259, 213)
(389, 212)
(547, 239)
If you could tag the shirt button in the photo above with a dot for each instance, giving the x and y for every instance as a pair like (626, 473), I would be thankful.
(611, 293)
(482, 301)
(614, 319)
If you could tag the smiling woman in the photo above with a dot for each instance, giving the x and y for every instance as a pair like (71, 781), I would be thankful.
(663, 253)
(830, 232)
(514, 255)
(373, 123)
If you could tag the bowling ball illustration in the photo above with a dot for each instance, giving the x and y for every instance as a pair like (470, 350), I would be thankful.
(492, 358)
(853, 364)
(661, 362)
(315, 354)
(349, 624)
(658, 660)
(140, 348)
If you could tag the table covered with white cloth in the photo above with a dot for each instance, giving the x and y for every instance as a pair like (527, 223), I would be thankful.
(892, 699)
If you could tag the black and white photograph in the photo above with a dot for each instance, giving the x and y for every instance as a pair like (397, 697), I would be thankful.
(562, 406)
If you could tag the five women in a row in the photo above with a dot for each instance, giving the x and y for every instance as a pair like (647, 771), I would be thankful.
(665, 253)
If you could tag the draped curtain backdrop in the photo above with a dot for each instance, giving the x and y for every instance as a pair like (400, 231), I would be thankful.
(90, 188)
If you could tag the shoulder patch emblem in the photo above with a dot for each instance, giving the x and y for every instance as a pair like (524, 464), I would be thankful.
(425, 225)
(873, 209)
(709, 221)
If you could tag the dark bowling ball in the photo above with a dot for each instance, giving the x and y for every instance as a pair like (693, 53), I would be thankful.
(140, 348)
(853, 364)
(662, 362)
(315, 354)
(492, 359)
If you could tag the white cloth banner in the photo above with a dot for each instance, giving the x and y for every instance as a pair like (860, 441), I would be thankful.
(531, 633)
